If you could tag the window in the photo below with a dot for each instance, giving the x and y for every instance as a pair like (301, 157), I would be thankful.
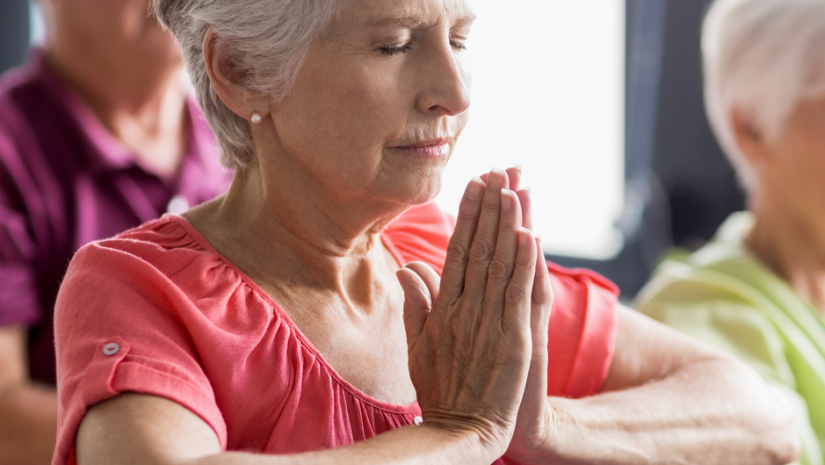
(548, 93)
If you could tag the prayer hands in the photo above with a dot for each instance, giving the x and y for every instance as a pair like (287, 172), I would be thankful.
(477, 338)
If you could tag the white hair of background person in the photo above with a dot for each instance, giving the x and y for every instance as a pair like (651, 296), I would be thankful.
(761, 57)
(266, 40)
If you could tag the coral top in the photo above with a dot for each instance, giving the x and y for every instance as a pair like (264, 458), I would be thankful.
(157, 310)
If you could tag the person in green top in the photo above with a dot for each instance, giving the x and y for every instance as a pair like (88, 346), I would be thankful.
(758, 289)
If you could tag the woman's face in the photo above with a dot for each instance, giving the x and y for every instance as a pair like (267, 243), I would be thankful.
(793, 168)
(380, 100)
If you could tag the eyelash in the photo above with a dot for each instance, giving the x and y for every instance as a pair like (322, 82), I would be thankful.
(393, 50)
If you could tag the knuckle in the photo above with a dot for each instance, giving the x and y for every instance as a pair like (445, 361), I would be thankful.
(490, 205)
(481, 251)
(466, 211)
(456, 252)
(515, 294)
(524, 260)
(498, 270)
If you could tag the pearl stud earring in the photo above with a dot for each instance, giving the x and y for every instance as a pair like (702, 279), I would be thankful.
(255, 118)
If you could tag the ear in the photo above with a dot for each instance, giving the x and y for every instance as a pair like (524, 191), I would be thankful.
(749, 137)
(228, 82)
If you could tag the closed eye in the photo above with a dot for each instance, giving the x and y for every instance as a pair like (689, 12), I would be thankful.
(392, 50)
(459, 44)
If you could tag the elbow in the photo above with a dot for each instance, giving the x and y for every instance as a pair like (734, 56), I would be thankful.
(789, 450)
(773, 417)
(782, 446)
(780, 433)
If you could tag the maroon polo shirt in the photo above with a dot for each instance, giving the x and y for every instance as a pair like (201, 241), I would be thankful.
(66, 181)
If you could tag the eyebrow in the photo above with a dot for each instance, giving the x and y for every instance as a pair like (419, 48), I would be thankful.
(413, 22)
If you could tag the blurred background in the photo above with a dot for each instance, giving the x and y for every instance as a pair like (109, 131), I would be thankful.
(600, 101)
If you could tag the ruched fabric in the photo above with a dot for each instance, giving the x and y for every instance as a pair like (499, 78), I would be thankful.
(157, 310)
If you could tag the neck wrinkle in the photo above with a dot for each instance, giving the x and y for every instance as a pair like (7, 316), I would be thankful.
(306, 239)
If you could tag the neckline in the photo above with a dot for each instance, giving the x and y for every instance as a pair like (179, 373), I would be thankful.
(197, 237)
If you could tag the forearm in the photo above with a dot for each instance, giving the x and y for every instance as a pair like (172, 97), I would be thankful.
(713, 412)
(136, 429)
(405, 446)
(28, 424)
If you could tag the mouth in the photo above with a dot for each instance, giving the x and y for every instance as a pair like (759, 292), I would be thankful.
(428, 148)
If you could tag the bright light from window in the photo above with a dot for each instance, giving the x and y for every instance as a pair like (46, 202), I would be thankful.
(548, 93)
(37, 28)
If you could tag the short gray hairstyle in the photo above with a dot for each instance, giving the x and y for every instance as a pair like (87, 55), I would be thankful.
(265, 42)
(761, 57)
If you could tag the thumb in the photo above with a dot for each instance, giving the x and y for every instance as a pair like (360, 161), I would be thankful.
(417, 304)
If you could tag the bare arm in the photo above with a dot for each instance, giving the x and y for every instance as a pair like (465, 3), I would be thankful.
(140, 429)
(669, 399)
(28, 412)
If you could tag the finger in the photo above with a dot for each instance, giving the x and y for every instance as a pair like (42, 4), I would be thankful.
(517, 297)
(534, 402)
(428, 276)
(500, 270)
(514, 177)
(455, 264)
(541, 301)
(526, 200)
(417, 304)
(486, 234)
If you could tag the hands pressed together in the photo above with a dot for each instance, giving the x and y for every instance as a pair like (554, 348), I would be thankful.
(477, 336)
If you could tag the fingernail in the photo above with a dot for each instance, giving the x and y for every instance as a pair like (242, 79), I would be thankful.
(518, 167)
(475, 188)
(506, 200)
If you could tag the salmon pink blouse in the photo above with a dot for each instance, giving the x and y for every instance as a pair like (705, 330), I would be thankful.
(156, 310)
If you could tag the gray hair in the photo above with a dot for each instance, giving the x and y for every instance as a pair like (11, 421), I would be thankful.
(265, 42)
(761, 57)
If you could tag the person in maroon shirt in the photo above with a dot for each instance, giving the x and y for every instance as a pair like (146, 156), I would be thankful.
(98, 134)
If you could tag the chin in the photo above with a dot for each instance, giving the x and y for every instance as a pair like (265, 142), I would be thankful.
(414, 189)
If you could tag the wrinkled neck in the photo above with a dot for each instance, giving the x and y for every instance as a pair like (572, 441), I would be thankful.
(291, 234)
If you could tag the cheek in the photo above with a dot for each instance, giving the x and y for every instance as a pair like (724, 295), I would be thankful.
(353, 114)
(801, 169)
(371, 103)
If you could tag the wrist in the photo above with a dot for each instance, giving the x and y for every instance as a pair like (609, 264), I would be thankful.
(540, 444)
(488, 440)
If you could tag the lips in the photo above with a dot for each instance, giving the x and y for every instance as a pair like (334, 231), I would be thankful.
(432, 147)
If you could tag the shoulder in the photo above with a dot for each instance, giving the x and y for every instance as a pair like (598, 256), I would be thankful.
(708, 275)
(158, 261)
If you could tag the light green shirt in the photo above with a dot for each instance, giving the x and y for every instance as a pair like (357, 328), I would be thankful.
(724, 296)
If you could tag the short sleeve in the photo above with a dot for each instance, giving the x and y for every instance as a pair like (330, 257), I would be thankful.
(19, 296)
(121, 325)
(582, 332)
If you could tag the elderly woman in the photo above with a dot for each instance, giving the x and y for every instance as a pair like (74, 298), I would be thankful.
(758, 289)
(268, 327)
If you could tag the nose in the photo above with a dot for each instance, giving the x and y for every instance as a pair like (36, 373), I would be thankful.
(445, 91)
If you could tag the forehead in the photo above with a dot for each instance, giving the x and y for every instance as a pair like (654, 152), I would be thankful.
(359, 14)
